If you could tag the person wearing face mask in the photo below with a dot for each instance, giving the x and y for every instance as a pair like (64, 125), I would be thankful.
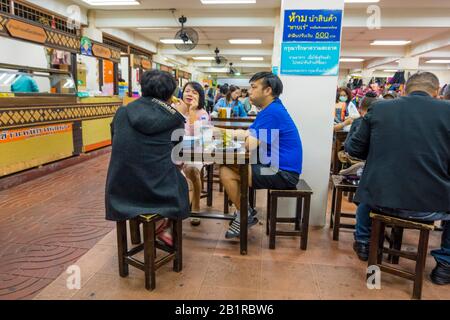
(194, 98)
(345, 110)
(406, 144)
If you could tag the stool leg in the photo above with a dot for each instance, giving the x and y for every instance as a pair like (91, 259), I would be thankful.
(298, 213)
(225, 203)
(396, 243)
(135, 232)
(420, 264)
(220, 187)
(178, 245)
(268, 212)
(305, 223)
(122, 247)
(381, 242)
(337, 216)
(374, 240)
(149, 255)
(333, 204)
(273, 222)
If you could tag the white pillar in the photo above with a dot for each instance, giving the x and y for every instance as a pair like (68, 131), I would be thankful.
(310, 102)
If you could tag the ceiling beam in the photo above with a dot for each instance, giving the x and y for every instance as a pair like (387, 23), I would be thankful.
(196, 18)
(372, 64)
(438, 42)
(400, 18)
(209, 51)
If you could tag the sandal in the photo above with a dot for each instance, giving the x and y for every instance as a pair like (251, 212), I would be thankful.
(166, 237)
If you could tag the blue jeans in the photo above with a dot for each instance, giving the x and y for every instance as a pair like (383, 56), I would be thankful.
(364, 224)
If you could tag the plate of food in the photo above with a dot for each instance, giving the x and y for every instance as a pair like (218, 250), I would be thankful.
(228, 146)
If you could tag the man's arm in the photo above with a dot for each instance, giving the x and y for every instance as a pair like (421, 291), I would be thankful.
(358, 144)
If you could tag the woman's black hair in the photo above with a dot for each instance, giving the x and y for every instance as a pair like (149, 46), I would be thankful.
(347, 91)
(224, 89)
(201, 93)
(230, 91)
(158, 84)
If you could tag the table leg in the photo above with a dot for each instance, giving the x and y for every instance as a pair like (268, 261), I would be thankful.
(243, 171)
(209, 185)
(337, 215)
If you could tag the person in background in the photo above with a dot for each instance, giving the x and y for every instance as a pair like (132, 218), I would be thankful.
(231, 100)
(141, 178)
(344, 108)
(273, 131)
(23, 82)
(194, 98)
(209, 99)
(245, 100)
(366, 102)
(221, 92)
(446, 94)
(390, 95)
(406, 144)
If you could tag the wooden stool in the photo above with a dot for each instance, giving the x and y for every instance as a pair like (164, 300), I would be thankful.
(303, 194)
(379, 223)
(339, 188)
(150, 244)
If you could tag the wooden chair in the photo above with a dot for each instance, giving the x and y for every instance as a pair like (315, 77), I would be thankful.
(303, 195)
(379, 223)
(149, 246)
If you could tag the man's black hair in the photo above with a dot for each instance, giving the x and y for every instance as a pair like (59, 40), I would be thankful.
(158, 84)
(269, 80)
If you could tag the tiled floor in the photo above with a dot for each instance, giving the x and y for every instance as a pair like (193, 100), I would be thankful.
(49, 223)
(46, 230)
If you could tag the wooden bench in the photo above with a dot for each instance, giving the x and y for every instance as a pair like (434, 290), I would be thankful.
(379, 223)
(303, 195)
(149, 246)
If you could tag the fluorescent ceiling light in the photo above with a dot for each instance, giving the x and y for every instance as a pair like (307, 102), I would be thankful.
(174, 41)
(237, 74)
(219, 70)
(390, 42)
(439, 61)
(228, 1)
(252, 58)
(361, 1)
(390, 70)
(112, 2)
(153, 28)
(351, 60)
(204, 58)
(245, 41)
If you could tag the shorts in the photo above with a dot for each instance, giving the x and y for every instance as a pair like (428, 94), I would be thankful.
(266, 177)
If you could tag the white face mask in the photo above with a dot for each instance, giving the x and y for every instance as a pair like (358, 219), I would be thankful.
(343, 99)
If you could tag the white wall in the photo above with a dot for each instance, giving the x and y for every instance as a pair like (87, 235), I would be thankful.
(310, 102)
(92, 76)
(22, 53)
(133, 38)
(240, 82)
(62, 7)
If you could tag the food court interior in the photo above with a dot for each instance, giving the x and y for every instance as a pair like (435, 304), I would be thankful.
(86, 59)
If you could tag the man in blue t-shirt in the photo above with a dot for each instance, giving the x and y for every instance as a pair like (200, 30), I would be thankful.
(280, 147)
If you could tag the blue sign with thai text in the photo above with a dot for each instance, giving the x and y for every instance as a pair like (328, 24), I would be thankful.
(312, 25)
(312, 59)
(311, 42)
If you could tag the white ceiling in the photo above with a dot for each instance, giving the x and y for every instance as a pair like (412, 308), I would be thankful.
(415, 20)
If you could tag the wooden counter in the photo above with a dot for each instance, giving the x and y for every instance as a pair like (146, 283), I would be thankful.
(37, 130)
